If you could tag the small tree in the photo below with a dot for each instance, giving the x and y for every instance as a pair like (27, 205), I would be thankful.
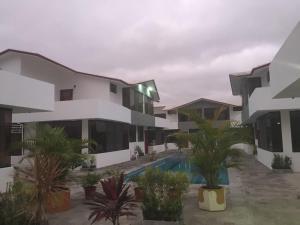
(51, 156)
(212, 146)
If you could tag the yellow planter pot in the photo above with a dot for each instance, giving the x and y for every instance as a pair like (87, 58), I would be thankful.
(212, 199)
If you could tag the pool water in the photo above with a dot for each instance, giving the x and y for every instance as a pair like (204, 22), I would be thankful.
(180, 164)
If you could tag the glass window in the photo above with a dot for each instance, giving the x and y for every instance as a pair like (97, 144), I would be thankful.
(268, 132)
(66, 94)
(148, 106)
(132, 133)
(182, 117)
(161, 115)
(224, 114)
(209, 113)
(109, 136)
(113, 88)
(72, 128)
(126, 97)
(140, 133)
(295, 130)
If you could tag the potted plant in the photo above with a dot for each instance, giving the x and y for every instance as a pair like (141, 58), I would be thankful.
(51, 155)
(89, 182)
(114, 202)
(162, 195)
(281, 164)
(139, 151)
(212, 151)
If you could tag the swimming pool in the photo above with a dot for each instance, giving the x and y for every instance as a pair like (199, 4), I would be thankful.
(180, 164)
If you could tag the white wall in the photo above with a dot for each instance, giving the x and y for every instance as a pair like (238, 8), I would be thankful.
(79, 109)
(165, 123)
(285, 67)
(11, 63)
(235, 115)
(84, 86)
(110, 158)
(6, 176)
(24, 94)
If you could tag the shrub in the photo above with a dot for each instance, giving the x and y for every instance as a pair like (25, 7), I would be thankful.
(281, 162)
(163, 194)
(90, 180)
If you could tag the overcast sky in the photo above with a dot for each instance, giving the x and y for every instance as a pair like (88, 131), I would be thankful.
(188, 46)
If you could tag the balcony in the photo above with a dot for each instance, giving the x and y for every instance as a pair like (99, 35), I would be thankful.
(24, 94)
(166, 124)
(77, 110)
(261, 101)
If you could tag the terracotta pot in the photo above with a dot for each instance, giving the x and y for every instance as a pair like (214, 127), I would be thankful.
(212, 199)
(139, 194)
(89, 192)
(59, 201)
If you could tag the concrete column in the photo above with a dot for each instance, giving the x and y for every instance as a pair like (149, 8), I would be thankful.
(85, 133)
(286, 132)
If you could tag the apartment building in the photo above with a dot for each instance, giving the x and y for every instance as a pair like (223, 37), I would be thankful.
(112, 112)
(270, 101)
(206, 109)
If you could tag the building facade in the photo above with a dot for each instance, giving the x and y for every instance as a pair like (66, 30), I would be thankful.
(117, 115)
(271, 104)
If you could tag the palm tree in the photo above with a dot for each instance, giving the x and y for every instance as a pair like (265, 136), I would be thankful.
(51, 155)
(212, 147)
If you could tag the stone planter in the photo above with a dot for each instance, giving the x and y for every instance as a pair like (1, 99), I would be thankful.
(282, 170)
(59, 201)
(160, 222)
(212, 199)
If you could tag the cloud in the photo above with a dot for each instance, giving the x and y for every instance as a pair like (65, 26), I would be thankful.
(188, 46)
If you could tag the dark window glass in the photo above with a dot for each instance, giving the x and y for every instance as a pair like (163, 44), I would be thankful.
(295, 130)
(138, 101)
(109, 136)
(148, 106)
(73, 129)
(209, 113)
(126, 97)
(66, 94)
(132, 134)
(237, 108)
(224, 115)
(182, 117)
(161, 115)
(268, 131)
(156, 137)
(113, 88)
(5, 136)
(140, 133)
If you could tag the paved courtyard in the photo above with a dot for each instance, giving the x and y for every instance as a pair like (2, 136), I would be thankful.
(256, 196)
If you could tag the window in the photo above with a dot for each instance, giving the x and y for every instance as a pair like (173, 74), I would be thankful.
(66, 94)
(224, 115)
(209, 113)
(109, 136)
(182, 117)
(138, 101)
(148, 106)
(268, 132)
(140, 133)
(72, 128)
(161, 115)
(132, 133)
(237, 108)
(113, 88)
(295, 130)
(126, 97)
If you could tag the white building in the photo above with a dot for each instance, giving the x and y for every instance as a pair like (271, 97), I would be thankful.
(18, 94)
(271, 104)
(115, 114)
